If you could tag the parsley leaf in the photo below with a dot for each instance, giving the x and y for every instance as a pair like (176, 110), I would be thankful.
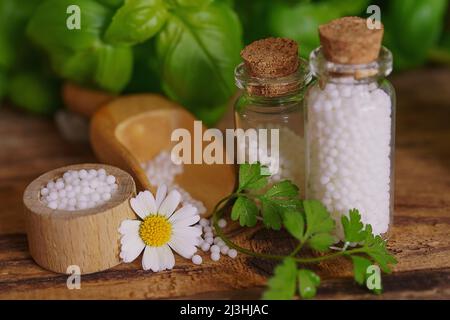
(282, 189)
(319, 225)
(252, 176)
(375, 247)
(294, 223)
(245, 210)
(271, 214)
(353, 227)
(281, 197)
(308, 283)
(360, 266)
(283, 284)
(321, 241)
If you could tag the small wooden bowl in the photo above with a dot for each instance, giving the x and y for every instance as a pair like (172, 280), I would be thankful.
(132, 130)
(87, 238)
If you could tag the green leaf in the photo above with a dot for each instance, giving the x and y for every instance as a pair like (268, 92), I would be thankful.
(301, 20)
(271, 214)
(252, 177)
(375, 247)
(319, 224)
(197, 51)
(34, 92)
(245, 210)
(413, 28)
(136, 21)
(360, 266)
(283, 188)
(193, 3)
(111, 3)
(354, 231)
(317, 217)
(294, 223)
(288, 204)
(81, 55)
(308, 283)
(321, 241)
(282, 285)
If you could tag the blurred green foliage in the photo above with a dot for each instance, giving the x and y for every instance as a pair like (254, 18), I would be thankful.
(186, 49)
(25, 78)
(413, 28)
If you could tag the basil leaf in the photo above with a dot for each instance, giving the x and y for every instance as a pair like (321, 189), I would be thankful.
(197, 51)
(300, 21)
(136, 21)
(414, 28)
(80, 54)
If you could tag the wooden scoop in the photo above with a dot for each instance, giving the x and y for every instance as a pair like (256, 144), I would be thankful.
(132, 130)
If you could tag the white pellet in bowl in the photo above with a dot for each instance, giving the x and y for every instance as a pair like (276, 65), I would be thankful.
(79, 190)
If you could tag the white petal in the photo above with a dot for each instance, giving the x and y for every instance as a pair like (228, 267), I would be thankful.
(148, 201)
(170, 203)
(189, 221)
(129, 227)
(150, 259)
(166, 258)
(184, 248)
(184, 212)
(160, 195)
(131, 249)
(138, 206)
(187, 232)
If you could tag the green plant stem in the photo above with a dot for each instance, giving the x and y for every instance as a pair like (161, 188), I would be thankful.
(298, 248)
(217, 214)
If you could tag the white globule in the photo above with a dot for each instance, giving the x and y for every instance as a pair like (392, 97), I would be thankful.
(349, 142)
(290, 162)
(196, 259)
(79, 190)
(162, 170)
(215, 256)
(211, 243)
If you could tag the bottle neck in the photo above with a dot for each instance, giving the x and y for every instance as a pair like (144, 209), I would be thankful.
(330, 72)
(273, 90)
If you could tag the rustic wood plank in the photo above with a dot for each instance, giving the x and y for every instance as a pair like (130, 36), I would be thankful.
(420, 239)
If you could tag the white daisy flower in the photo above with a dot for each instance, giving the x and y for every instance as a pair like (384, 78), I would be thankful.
(162, 229)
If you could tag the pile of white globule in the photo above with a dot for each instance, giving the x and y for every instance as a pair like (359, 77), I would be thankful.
(162, 170)
(349, 146)
(290, 161)
(209, 242)
(79, 190)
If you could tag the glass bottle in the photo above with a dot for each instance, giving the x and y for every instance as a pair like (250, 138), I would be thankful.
(350, 139)
(274, 103)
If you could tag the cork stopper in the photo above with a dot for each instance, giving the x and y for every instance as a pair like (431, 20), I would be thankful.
(348, 40)
(273, 64)
(271, 57)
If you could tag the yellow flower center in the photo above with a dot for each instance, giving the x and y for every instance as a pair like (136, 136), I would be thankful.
(155, 230)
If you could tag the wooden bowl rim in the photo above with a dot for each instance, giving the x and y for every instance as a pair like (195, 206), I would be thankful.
(31, 196)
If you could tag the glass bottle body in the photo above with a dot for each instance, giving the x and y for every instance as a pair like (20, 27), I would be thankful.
(281, 147)
(350, 140)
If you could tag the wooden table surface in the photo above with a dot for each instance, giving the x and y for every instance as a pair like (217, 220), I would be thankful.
(30, 146)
